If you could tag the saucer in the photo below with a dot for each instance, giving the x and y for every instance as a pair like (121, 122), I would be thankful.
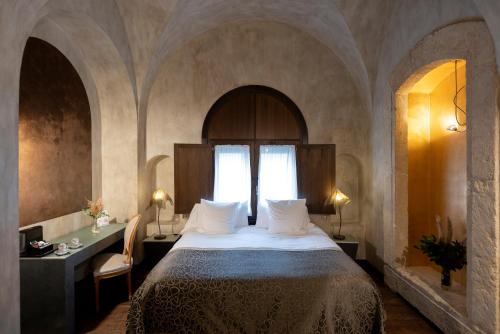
(73, 246)
(61, 253)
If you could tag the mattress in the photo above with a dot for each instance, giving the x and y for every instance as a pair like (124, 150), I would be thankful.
(255, 282)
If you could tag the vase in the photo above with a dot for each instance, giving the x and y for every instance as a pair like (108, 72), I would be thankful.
(95, 228)
(445, 279)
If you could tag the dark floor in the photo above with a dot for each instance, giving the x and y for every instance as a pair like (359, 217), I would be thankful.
(402, 318)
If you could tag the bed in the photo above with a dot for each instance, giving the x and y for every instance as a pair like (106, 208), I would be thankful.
(253, 281)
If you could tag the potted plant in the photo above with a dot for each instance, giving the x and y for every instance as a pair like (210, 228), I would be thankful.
(449, 254)
(95, 210)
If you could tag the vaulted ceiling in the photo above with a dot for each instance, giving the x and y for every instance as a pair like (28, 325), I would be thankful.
(366, 36)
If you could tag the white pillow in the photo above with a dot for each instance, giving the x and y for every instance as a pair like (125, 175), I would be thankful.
(218, 218)
(263, 212)
(192, 223)
(288, 217)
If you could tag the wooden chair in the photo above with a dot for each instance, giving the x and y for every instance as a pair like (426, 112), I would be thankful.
(109, 265)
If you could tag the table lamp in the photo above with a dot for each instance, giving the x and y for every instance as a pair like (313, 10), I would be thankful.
(160, 199)
(339, 200)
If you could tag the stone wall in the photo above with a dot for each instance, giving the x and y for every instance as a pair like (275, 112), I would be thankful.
(469, 41)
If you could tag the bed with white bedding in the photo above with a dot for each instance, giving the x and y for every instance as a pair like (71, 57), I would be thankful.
(254, 281)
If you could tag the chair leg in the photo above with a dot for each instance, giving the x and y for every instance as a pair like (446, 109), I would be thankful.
(96, 284)
(129, 283)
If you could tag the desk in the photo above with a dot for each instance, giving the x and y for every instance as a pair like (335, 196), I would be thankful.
(48, 283)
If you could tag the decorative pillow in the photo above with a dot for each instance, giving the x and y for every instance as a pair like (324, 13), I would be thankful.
(218, 218)
(193, 223)
(289, 217)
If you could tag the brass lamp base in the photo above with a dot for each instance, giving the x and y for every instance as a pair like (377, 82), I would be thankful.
(339, 237)
(160, 236)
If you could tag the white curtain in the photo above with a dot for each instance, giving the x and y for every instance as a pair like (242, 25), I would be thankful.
(232, 181)
(277, 172)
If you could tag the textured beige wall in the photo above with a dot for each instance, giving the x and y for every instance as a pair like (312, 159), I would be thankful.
(274, 55)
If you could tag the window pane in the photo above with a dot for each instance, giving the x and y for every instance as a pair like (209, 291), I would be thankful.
(232, 181)
(277, 172)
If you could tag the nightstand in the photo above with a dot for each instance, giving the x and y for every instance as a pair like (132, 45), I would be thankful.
(349, 245)
(155, 250)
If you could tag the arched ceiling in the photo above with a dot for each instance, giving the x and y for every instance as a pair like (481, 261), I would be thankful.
(368, 37)
(321, 19)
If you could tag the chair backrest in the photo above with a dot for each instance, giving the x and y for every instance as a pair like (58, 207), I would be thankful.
(129, 237)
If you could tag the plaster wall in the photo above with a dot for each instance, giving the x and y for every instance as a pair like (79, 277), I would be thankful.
(16, 20)
(269, 54)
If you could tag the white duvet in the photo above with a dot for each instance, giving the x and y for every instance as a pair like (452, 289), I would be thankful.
(251, 237)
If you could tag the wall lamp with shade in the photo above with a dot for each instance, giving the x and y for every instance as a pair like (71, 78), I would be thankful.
(340, 200)
(160, 199)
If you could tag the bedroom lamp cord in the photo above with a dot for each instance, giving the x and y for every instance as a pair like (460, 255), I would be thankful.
(455, 99)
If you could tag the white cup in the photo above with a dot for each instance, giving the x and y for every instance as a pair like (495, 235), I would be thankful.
(75, 241)
(62, 247)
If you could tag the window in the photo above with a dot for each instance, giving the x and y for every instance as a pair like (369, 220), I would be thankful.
(232, 179)
(277, 172)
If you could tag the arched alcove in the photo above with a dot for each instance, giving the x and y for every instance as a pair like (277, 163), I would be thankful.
(468, 41)
(55, 149)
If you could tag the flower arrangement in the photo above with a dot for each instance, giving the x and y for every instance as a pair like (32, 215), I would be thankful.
(447, 253)
(95, 210)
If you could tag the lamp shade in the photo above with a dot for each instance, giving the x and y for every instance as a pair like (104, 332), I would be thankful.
(340, 199)
(160, 197)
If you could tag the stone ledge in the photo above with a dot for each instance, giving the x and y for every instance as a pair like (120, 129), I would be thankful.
(427, 301)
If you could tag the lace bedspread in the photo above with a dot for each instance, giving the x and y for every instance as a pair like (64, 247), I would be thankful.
(256, 291)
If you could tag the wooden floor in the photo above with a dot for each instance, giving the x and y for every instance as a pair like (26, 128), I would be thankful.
(402, 318)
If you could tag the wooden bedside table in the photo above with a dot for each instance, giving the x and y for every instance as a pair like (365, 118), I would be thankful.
(155, 250)
(349, 245)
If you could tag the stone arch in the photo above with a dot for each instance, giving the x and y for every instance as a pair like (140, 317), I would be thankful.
(112, 99)
(469, 41)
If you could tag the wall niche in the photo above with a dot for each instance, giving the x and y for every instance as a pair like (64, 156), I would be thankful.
(55, 149)
(437, 160)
